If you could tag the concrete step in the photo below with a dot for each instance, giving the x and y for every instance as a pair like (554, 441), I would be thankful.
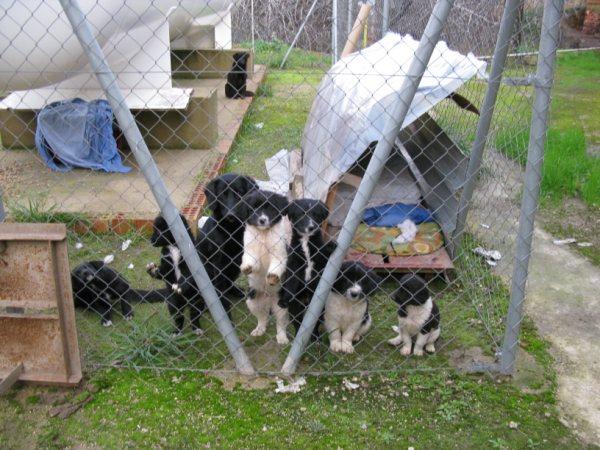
(207, 63)
(174, 118)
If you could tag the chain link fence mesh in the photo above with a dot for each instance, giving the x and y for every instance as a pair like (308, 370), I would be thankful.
(173, 61)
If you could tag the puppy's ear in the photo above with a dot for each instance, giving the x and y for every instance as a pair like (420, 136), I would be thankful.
(371, 281)
(321, 211)
(292, 211)
(243, 207)
(186, 224)
(211, 192)
(248, 183)
(281, 203)
(158, 228)
(329, 247)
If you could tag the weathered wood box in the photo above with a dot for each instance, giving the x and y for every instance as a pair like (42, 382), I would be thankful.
(38, 339)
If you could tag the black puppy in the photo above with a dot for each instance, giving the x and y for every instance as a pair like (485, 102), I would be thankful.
(347, 316)
(307, 256)
(221, 239)
(177, 276)
(418, 315)
(99, 288)
(237, 77)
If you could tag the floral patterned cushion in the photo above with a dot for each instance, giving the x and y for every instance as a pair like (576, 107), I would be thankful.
(378, 240)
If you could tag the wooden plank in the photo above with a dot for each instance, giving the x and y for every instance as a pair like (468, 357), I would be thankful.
(11, 379)
(32, 231)
(40, 334)
(66, 310)
(437, 261)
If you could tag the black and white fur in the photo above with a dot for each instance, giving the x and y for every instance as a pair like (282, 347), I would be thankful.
(347, 316)
(238, 76)
(307, 256)
(100, 288)
(221, 238)
(264, 260)
(177, 276)
(418, 316)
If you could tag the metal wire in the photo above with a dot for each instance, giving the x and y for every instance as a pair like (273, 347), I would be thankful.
(170, 63)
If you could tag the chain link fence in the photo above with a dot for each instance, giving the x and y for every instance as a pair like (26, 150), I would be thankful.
(428, 194)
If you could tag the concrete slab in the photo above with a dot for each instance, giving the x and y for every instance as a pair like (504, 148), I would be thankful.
(562, 293)
(24, 176)
(97, 193)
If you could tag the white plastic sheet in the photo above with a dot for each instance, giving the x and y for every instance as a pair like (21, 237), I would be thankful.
(356, 95)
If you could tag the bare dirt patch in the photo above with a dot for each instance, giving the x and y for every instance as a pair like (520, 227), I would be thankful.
(574, 219)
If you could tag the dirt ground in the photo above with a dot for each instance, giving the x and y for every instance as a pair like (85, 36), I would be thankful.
(562, 289)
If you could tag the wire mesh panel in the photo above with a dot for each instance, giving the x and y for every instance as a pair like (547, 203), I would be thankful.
(264, 163)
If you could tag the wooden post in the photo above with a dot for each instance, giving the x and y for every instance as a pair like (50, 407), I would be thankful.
(359, 25)
(11, 379)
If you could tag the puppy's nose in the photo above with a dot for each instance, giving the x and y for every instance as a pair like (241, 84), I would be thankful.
(311, 227)
(262, 221)
(354, 295)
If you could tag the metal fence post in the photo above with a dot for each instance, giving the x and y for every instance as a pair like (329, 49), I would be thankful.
(2, 212)
(381, 153)
(107, 79)
(553, 10)
(385, 19)
(334, 31)
(507, 25)
(350, 17)
(293, 44)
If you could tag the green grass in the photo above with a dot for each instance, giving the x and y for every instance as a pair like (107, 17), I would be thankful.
(38, 210)
(575, 112)
(418, 402)
(271, 54)
(170, 409)
(473, 311)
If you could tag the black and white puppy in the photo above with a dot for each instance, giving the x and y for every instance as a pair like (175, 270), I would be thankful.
(177, 276)
(418, 316)
(221, 238)
(307, 256)
(347, 316)
(238, 76)
(100, 288)
(264, 260)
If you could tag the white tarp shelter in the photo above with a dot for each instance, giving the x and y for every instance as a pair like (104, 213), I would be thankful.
(355, 97)
(352, 105)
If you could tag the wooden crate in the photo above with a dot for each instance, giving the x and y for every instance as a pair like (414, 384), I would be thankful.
(37, 318)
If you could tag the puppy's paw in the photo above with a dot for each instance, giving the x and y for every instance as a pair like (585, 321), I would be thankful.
(152, 269)
(396, 329)
(107, 323)
(176, 334)
(128, 317)
(198, 331)
(335, 346)
(176, 288)
(273, 279)
(346, 347)
(258, 331)
(405, 351)
(418, 352)
(246, 269)
(430, 348)
(395, 341)
(282, 339)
